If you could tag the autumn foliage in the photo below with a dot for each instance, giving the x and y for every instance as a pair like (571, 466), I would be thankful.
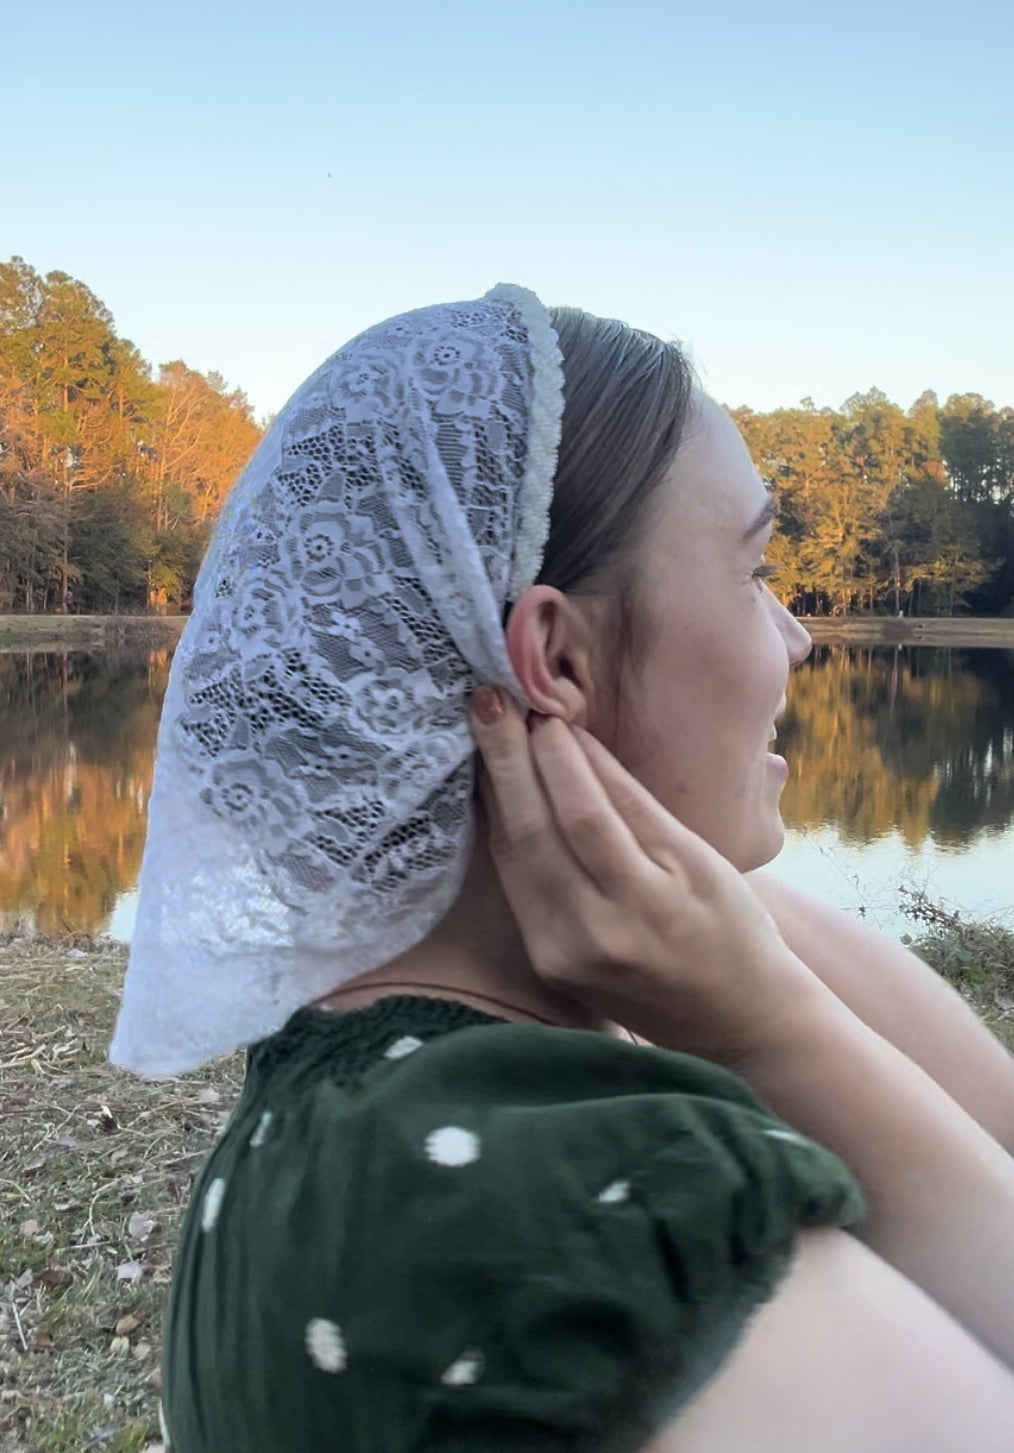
(111, 475)
(883, 509)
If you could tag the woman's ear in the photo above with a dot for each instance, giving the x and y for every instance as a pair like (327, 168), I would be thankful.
(549, 643)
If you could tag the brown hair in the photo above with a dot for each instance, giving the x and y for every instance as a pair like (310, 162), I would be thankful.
(626, 399)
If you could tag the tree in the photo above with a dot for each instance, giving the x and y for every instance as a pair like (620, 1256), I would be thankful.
(110, 480)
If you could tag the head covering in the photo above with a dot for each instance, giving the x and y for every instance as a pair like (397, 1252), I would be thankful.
(311, 814)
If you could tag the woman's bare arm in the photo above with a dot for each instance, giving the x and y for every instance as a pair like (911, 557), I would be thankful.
(849, 1356)
(903, 999)
(940, 1190)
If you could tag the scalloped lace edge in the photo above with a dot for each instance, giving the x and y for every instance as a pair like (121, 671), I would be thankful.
(543, 438)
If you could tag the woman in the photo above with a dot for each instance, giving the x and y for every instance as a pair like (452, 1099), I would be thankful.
(456, 1207)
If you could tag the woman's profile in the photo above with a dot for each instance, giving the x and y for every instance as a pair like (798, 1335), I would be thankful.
(561, 1129)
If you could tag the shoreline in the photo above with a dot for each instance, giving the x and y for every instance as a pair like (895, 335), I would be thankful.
(971, 631)
(27, 633)
(81, 632)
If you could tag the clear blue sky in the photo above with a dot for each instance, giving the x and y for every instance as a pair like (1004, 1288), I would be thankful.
(817, 198)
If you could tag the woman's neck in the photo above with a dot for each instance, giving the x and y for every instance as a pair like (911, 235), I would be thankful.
(476, 951)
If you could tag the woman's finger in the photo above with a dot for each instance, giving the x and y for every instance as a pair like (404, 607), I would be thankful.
(659, 834)
(588, 821)
(531, 857)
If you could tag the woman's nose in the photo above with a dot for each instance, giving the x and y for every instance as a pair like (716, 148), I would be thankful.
(797, 637)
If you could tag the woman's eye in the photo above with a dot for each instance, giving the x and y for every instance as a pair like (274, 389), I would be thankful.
(765, 571)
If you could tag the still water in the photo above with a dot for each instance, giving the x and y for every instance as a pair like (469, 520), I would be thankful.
(901, 760)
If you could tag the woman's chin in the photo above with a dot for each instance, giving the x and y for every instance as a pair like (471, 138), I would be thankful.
(764, 846)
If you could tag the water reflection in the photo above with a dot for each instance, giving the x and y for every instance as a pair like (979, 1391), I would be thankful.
(918, 741)
(77, 739)
(898, 758)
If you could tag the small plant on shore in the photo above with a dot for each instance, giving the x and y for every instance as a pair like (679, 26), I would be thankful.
(976, 957)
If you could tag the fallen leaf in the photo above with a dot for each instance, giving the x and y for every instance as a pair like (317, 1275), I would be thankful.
(34, 1166)
(128, 1324)
(55, 1276)
(119, 1345)
(107, 1119)
(209, 1097)
(129, 1271)
(140, 1226)
(67, 1141)
(29, 1228)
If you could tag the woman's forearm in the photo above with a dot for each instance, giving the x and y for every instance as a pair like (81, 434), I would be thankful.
(940, 1190)
(902, 999)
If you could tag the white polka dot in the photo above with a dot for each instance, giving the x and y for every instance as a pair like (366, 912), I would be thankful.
(212, 1203)
(788, 1135)
(261, 1133)
(163, 1426)
(452, 1146)
(401, 1047)
(465, 1369)
(614, 1193)
(326, 1345)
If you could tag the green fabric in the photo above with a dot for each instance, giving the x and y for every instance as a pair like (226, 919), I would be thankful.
(559, 1269)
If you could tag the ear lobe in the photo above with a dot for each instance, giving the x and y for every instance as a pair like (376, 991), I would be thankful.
(547, 641)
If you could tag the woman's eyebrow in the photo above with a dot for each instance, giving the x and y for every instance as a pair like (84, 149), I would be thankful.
(765, 517)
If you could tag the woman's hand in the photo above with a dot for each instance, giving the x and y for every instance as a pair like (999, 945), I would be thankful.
(622, 906)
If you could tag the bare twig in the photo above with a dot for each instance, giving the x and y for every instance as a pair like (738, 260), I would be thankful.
(17, 1321)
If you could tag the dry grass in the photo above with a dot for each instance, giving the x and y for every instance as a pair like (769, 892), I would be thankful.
(96, 1167)
(95, 1170)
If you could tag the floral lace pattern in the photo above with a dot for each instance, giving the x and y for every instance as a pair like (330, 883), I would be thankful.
(311, 815)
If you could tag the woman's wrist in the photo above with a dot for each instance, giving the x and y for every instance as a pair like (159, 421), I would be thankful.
(777, 1031)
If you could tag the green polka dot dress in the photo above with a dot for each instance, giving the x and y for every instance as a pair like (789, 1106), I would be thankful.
(428, 1229)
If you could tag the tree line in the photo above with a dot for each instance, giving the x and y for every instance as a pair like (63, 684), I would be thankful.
(883, 509)
(112, 475)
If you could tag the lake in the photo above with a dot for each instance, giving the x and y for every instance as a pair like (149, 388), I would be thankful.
(901, 762)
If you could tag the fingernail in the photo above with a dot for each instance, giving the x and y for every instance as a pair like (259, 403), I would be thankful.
(487, 703)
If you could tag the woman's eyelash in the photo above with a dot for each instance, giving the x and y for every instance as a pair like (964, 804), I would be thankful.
(765, 570)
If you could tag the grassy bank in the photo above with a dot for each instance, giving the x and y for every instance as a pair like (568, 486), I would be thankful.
(95, 1170)
(96, 1167)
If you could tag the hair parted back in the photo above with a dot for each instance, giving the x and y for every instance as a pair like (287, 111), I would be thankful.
(627, 395)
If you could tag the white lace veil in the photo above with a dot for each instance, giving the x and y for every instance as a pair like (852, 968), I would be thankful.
(311, 811)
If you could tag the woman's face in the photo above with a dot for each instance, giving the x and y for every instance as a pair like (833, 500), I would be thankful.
(697, 715)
